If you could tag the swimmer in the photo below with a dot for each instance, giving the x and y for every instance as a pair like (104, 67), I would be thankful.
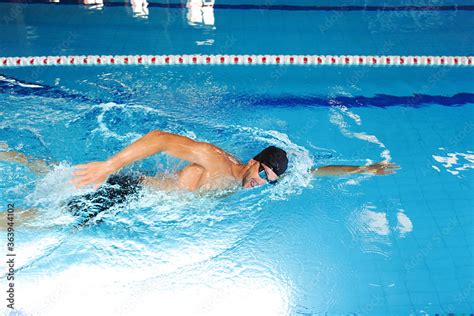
(209, 168)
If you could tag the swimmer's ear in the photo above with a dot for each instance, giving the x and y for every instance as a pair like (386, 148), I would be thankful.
(251, 162)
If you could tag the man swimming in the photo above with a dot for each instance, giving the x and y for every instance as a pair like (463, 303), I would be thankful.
(209, 168)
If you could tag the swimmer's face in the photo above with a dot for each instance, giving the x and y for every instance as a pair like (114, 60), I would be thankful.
(252, 178)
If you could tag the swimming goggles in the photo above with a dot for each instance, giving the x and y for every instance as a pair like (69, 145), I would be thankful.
(263, 174)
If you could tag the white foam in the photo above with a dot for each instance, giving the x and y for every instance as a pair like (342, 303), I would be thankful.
(404, 224)
(456, 162)
(104, 130)
(56, 187)
(32, 250)
(356, 118)
(207, 291)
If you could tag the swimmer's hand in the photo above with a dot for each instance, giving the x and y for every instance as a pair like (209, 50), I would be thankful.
(95, 173)
(381, 168)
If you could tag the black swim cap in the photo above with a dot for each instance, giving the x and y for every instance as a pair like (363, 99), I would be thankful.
(273, 157)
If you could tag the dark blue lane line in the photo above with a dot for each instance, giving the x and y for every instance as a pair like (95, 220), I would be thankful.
(379, 100)
(16, 87)
(281, 7)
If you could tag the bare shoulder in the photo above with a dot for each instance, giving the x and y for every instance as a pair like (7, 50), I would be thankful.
(219, 153)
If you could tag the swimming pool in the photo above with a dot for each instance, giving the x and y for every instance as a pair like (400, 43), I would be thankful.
(365, 245)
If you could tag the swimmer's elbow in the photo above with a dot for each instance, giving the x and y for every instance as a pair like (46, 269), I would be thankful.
(160, 139)
(157, 133)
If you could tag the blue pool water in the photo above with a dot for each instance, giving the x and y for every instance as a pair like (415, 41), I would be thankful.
(353, 245)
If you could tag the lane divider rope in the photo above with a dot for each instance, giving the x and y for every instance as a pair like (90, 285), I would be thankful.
(237, 60)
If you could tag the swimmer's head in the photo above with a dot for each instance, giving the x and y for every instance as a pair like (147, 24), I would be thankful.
(266, 167)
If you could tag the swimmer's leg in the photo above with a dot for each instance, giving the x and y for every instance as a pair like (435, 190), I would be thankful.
(20, 216)
(23, 216)
(38, 166)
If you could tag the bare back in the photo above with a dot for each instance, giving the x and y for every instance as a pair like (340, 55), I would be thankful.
(196, 177)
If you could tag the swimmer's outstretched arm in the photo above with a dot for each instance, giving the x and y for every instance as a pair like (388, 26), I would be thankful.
(200, 153)
(381, 168)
